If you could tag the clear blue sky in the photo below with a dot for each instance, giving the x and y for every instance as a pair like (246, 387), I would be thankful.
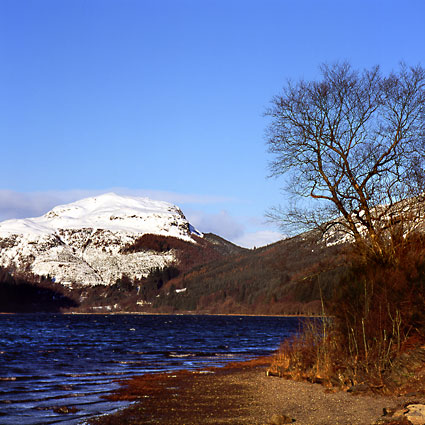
(165, 98)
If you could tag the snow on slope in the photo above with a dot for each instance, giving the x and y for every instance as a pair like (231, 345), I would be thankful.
(81, 242)
(106, 212)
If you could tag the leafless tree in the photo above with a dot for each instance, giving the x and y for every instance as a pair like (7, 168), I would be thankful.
(354, 143)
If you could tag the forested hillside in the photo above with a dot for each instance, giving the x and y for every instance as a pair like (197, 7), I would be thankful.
(287, 277)
(24, 293)
(211, 276)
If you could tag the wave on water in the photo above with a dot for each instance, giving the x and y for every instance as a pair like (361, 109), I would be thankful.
(56, 369)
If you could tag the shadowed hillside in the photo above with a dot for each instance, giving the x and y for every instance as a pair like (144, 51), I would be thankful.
(27, 294)
(287, 277)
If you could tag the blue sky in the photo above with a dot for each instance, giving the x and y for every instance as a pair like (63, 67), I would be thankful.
(165, 98)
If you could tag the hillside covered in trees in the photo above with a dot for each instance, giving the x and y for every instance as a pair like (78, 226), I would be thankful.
(211, 276)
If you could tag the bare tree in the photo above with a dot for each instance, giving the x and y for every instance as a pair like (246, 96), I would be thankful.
(354, 142)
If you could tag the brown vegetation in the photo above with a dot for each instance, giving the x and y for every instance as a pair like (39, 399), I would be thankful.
(189, 254)
(374, 332)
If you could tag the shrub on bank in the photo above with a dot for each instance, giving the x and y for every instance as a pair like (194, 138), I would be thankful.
(374, 326)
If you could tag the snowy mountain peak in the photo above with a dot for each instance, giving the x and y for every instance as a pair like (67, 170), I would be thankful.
(107, 212)
(84, 242)
(99, 207)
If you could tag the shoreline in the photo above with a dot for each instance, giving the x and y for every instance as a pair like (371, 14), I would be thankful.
(239, 394)
(192, 314)
(186, 313)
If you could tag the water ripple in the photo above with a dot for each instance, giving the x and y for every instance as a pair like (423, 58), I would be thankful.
(54, 369)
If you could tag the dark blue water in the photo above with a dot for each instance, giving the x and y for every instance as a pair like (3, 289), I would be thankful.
(48, 361)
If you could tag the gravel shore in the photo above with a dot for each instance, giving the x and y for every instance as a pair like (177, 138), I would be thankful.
(240, 394)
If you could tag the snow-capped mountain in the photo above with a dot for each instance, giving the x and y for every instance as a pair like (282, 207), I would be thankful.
(82, 242)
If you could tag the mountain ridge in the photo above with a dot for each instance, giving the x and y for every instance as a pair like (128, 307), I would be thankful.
(81, 242)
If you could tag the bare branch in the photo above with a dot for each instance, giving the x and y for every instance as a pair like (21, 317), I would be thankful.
(354, 140)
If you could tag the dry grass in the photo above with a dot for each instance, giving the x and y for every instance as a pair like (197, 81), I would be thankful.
(317, 355)
(374, 336)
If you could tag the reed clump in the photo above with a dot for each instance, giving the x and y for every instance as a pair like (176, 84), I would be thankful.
(372, 333)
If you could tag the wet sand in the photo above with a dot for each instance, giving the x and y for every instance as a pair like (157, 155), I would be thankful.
(239, 394)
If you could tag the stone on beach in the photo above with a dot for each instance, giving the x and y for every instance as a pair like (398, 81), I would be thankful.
(281, 420)
(416, 414)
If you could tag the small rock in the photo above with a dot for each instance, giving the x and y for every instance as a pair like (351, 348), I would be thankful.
(280, 420)
(416, 414)
(65, 410)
